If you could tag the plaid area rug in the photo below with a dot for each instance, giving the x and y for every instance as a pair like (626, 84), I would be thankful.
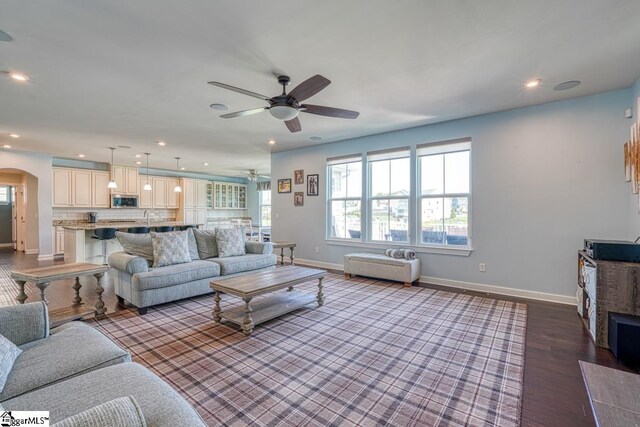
(375, 354)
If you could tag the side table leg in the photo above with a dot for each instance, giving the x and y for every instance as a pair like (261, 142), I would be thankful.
(42, 287)
(291, 254)
(22, 296)
(247, 322)
(77, 301)
(100, 308)
(216, 307)
(281, 256)
(320, 294)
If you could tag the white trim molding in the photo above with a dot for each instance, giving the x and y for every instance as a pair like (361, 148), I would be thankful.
(31, 251)
(48, 257)
(499, 290)
(6, 245)
(319, 264)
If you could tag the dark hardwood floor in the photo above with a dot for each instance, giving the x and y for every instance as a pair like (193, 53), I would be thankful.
(553, 394)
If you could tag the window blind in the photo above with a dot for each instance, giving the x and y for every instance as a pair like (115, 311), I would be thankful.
(395, 153)
(344, 159)
(441, 147)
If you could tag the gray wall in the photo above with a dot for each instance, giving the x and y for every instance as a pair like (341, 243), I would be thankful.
(543, 179)
(5, 223)
(634, 204)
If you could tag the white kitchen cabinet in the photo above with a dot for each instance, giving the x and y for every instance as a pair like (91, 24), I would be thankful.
(159, 192)
(126, 178)
(81, 188)
(227, 195)
(58, 234)
(145, 198)
(62, 187)
(189, 190)
(201, 194)
(100, 197)
(133, 185)
(173, 198)
(201, 216)
(242, 196)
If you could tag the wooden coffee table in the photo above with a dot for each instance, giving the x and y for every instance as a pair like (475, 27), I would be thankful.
(249, 286)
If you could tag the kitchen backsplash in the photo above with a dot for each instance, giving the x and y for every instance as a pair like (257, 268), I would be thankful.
(79, 214)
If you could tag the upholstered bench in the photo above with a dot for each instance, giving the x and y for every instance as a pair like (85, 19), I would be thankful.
(382, 267)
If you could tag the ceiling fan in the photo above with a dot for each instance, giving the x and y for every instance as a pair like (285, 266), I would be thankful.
(287, 106)
(253, 175)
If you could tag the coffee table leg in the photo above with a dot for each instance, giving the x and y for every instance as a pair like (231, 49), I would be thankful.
(77, 301)
(291, 254)
(320, 294)
(216, 308)
(22, 296)
(247, 323)
(281, 256)
(100, 308)
(42, 287)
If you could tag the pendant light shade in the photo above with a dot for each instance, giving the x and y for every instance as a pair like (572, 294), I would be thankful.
(112, 184)
(147, 186)
(178, 189)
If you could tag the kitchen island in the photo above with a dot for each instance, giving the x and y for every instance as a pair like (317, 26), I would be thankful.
(80, 247)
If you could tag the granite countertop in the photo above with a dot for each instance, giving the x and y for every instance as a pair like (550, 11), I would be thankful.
(121, 224)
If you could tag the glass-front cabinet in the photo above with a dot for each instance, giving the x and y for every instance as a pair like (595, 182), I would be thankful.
(227, 195)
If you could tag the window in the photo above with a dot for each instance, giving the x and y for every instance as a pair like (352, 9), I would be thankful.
(5, 195)
(265, 208)
(389, 193)
(344, 198)
(444, 192)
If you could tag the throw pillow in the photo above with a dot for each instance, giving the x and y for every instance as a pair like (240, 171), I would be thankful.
(193, 245)
(136, 244)
(230, 242)
(206, 242)
(170, 248)
(9, 352)
(120, 412)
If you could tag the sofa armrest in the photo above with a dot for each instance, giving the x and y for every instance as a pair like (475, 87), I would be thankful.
(258, 247)
(131, 264)
(123, 411)
(24, 323)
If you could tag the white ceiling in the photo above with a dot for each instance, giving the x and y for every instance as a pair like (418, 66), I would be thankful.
(110, 72)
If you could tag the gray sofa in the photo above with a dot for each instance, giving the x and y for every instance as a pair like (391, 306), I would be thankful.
(142, 286)
(74, 368)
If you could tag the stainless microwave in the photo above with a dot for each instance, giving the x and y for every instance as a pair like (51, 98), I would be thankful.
(124, 201)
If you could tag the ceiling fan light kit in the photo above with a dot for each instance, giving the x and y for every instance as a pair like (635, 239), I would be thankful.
(286, 107)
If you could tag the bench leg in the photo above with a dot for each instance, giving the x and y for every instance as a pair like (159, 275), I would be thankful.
(407, 284)
(216, 308)
(120, 300)
(142, 310)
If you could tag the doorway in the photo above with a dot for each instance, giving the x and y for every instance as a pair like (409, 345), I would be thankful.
(7, 216)
(19, 211)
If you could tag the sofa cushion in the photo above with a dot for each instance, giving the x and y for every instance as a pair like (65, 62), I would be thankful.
(161, 405)
(258, 247)
(379, 259)
(9, 352)
(70, 350)
(136, 244)
(176, 274)
(170, 248)
(120, 412)
(206, 241)
(230, 242)
(193, 245)
(247, 262)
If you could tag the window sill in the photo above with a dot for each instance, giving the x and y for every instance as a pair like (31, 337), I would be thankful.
(442, 250)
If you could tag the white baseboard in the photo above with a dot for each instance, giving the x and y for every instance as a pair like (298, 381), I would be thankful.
(470, 286)
(499, 290)
(47, 257)
(6, 245)
(31, 251)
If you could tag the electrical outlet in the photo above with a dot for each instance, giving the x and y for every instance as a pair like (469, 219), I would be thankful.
(483, 267)
(317, 250)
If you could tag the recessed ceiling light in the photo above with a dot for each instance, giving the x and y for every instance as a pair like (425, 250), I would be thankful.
(206, 164)
(6, 146)
(567, 85)
(315, 138)
(5, 37)
(182, 168)
(81, 155)
(124, 147)
(138, 156)
(138, 163)
(161, 143)
(14, 135)
(220, 107)
(19, 77)
(272, 141)
(533, 83)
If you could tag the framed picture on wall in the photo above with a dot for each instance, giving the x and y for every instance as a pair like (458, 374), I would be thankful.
(284, 185)
(298, 176)
(312, 185)
(298, 198)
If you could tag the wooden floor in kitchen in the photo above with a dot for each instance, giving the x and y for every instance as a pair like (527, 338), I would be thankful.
(554, 394)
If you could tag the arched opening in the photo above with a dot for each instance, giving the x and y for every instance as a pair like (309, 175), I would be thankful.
(19, 210)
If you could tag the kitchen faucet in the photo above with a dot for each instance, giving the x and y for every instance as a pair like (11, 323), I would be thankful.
(146, 216)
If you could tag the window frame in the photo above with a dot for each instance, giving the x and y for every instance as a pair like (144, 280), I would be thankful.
(337, 161)
(7, 199)
(261, 204)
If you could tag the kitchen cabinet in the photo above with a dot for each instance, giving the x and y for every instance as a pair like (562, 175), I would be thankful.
(227, 195)
(145, 198)
(81, 188)
(201, 194)
(159, 192)
(62, 187)
(58, 238)
(133, 185)
(189, 190)
(126, 178)
(173, 198)
(100, 197)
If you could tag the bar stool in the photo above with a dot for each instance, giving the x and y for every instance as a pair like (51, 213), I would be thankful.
(186, 227)
(104, 234)
(164, 229)
(138, 230)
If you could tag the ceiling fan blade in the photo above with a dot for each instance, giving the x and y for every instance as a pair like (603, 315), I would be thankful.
(239, 90)
(309, 87)
(294, 125)
(244, 113)
(329, 111)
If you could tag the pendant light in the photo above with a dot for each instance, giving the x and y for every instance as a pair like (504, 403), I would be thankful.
(112, 184)
(178, 189)
(147, 186)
